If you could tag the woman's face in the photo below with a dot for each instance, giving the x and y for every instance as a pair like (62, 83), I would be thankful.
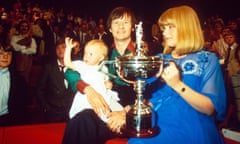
(121, 28)
(169, 32)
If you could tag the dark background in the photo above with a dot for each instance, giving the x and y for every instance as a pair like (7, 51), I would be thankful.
(147, 9)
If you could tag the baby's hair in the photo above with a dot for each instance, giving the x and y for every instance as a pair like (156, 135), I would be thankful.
(100, 45)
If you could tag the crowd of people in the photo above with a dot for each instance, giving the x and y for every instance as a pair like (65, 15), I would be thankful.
(194, 92)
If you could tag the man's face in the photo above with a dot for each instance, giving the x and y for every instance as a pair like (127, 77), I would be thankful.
(121, 28)
(5, 58)
(24, 27)
(60, 50)
(230, 39)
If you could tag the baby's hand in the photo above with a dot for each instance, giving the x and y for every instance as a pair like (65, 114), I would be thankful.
(69, 43)
(108, 84)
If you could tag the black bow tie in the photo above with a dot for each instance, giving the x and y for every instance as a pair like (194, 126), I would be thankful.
(61, 68)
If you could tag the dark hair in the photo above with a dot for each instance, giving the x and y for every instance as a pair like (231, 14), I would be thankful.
(4, 35)
(60, 41)
(119, 12)
(20, 23)
(230, 33)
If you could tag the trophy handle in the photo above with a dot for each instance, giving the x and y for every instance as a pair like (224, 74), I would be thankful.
(164, 64)
(107, 63)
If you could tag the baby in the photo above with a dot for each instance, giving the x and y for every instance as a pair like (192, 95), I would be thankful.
(95, 52)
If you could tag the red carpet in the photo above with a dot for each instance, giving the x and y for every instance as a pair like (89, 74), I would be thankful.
(33, 134)
(1, 135)
(46, 134)
(117, 141)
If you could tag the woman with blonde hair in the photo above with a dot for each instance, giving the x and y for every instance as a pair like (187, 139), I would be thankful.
(192, 95)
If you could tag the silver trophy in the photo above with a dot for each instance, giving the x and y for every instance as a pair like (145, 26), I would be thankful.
(135, 70)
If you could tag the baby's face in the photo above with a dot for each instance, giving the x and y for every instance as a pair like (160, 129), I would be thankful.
(93, 55)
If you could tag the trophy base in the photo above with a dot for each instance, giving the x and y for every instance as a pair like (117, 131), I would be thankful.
(144, 133)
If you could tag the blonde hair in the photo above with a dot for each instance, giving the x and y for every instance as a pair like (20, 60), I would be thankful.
(189, 32)
(100, 45)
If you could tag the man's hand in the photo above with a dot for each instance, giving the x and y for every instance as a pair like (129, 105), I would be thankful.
(116, 120)
(97, 102)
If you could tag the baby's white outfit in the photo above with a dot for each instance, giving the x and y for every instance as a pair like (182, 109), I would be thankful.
(91, 75)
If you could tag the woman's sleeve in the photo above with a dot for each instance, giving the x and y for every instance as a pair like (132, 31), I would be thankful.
(213, 86)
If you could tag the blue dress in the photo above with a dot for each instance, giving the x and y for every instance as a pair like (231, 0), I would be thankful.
(179, 122)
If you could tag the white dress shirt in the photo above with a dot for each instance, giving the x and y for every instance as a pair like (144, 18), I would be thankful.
(21, 48)
(4, 90)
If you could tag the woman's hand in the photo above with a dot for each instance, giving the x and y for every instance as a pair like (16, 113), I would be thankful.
(171, 74)
(200, 102)
(116, 120)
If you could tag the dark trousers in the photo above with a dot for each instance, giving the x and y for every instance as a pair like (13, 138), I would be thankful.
(86, 128)
(54, 114)
(126, 94)
(5, 120)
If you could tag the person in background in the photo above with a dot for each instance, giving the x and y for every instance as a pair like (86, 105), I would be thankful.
(221, 46)
(237, 55)
(24, 46)
(234, 26)
(191, 96)
(12, 102)
(104, 35)
(54, 95)
(77, 51)
(231, 64)
(83, 33)
(231, 67)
